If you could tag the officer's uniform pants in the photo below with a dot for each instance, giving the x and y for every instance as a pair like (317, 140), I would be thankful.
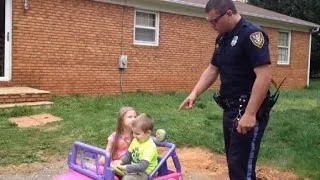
(242, 149)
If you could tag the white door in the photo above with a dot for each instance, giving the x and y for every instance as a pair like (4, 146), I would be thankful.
(6, 63)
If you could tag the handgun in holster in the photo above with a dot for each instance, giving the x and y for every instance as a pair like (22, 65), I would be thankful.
(219, 100)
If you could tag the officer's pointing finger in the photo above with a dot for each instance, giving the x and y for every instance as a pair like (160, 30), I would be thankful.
(180, 107)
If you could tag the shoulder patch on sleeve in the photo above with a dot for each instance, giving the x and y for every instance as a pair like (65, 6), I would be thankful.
(257, 39)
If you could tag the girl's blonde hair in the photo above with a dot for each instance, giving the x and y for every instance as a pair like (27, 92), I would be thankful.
(120, 128)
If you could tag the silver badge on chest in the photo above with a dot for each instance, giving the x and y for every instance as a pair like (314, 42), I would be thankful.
(234, 40)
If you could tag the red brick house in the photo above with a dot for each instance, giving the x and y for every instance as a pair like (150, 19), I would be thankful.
(74, 46)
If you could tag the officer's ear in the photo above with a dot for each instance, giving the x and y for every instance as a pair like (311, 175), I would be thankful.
(229, 13)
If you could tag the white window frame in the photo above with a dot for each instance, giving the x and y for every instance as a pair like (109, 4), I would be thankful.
(289, 47)
(7, 42)
(147, 43)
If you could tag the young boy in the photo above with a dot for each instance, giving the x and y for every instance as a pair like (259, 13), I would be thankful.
(142, 154)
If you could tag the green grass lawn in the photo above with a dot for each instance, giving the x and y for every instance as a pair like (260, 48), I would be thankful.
(291, 141)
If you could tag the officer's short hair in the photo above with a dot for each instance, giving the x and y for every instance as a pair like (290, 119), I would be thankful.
(221, 6)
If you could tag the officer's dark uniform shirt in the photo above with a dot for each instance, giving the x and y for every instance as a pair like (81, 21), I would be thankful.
(237, 53)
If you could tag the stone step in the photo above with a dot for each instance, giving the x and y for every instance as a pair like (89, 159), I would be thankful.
(45, 104)
(13, 95)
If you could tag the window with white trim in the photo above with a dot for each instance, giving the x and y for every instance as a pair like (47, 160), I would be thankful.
(146, 28)
(284, 47)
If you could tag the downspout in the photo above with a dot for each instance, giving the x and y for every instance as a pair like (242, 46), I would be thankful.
(316, 32)
(309, 58)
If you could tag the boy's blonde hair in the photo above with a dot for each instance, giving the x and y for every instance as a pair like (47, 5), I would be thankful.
(144, 122)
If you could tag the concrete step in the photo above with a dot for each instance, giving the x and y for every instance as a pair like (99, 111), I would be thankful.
(16, 95)
(45, 104)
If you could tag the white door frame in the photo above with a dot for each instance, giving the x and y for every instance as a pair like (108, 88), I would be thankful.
(8, 42)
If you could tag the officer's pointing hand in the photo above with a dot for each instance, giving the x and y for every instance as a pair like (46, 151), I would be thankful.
(188, 103)
(246, 123)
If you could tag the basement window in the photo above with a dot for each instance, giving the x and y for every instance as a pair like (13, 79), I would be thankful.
(284, 47)
(146, 28)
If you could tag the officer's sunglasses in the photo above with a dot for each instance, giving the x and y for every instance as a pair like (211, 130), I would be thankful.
(216, 20)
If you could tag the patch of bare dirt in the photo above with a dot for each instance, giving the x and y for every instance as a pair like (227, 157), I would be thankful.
(197, 164)
(50, 162)
(34, 120)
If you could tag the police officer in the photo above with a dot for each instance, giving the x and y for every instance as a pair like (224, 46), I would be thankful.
(242, 60)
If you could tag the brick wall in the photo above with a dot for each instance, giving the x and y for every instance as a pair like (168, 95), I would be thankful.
(296, 71)
(73, 47)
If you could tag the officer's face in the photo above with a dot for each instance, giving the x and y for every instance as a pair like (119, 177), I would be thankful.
(219, 21)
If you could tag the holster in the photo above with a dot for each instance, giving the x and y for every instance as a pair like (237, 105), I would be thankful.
(265, 107)
(226, 103)
(242, 103)
(220, 101)
(263, 111)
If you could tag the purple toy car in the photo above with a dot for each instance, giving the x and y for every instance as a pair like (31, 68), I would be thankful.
(83, 164)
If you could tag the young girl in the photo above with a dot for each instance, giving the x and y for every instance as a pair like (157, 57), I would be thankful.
(119, 141)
